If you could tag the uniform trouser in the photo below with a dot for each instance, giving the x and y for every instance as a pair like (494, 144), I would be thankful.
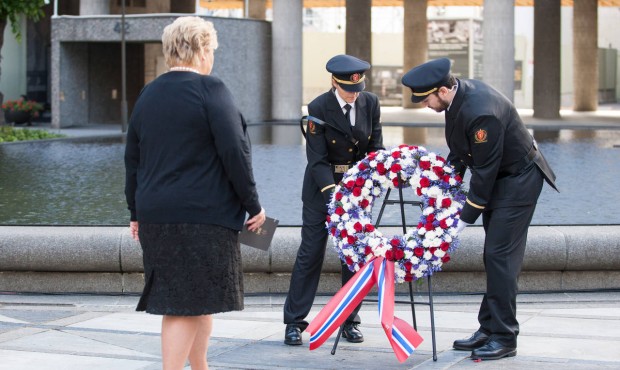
(307, 270)
(504, 248)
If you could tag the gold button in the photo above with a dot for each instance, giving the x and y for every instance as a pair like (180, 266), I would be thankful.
(333, 141)
(349, 162)
(368, 137)
(469, 154)
(350, 150)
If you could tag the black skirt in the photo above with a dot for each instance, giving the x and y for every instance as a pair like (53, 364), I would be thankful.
(190, 269)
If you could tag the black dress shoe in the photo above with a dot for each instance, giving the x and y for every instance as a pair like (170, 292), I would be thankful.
(352, 333)
(478, 339)
(493, 350)
(292, 336)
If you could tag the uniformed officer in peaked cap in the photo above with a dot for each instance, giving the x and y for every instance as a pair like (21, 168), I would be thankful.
(486, 135)
(347, 129)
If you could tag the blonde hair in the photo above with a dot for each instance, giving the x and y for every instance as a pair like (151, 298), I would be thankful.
(185, 39)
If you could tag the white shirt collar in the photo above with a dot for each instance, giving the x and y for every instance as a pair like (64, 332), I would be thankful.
(457, 89)
(341, 100)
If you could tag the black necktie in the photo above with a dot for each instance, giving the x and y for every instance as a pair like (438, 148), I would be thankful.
(347, 115)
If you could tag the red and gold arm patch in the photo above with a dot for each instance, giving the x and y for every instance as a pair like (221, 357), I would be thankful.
(480, 136)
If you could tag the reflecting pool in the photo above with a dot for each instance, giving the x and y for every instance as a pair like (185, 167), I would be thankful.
(81, 181)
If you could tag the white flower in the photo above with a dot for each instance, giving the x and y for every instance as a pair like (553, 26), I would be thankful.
(427, 255)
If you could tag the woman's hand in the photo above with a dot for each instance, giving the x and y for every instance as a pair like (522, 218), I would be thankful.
(257, 221)
(133, 228)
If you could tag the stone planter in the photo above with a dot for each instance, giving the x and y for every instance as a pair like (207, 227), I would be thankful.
(18, 117)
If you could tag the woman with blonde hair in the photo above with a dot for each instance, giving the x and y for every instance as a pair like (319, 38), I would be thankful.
(189, 185)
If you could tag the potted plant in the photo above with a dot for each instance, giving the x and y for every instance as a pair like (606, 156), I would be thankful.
(21, 110)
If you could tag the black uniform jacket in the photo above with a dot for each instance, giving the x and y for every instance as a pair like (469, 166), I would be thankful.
(327, 146)
(485, 134)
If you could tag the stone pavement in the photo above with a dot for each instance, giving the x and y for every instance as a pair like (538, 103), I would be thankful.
(91, 332)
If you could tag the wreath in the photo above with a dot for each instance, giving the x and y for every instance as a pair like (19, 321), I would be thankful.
(422, 250)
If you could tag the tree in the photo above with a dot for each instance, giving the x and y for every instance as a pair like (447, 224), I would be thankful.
(9, 12)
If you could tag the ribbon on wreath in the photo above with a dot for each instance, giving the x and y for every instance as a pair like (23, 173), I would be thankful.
(402, 337)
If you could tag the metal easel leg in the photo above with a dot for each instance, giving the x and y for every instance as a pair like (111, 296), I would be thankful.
(432, 312)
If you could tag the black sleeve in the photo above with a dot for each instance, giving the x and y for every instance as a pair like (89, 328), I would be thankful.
(486, 140)
(316, 153)
(376, 137)
(132, 160)
(232, 144)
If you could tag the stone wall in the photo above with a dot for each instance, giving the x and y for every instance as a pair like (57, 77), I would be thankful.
(242, 61)
(107, 260)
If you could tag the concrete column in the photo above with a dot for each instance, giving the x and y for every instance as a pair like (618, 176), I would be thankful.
(286, 60)
(257, 9)
(547, 18)
(585, 55)
(498, 58)
(358, 33)
(94, 7)
(415, 38)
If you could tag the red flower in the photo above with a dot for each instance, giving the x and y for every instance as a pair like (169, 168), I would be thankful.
(432, 250)
(369, 228)
(446, 202)
(368, 251)
(408, 277)
(358, 227)
(407, 265)
(445, 259)
(420, 225)
(362, 166)
(430, 218)
(395, 242)
(359, 181)
(339, 211)
(439, 158)
(443, 224)
(388, 255)
(429, 226)
(338, 196)
(418, 251)
(399, 254)
(431, 202)
(425, 165)
(425, 182)
(357, 192)
(446, 178)
(444, 246)
(350, 184)
(396, 167)
(333, 231)
(395, 155)
(343, 234)
(458, 178)
(328, 219)
(395, 182)
(438, 170)
(381, 169)
(372, 155)
(348, 260)
(418, 191)
(364, 203)
(351, 239)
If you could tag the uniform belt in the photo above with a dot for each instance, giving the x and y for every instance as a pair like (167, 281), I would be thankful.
(520, 164)
(340, 168)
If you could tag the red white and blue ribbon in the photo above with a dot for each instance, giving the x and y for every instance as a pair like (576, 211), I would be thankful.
(402, 337)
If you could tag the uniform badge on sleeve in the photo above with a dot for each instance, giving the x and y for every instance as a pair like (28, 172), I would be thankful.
(480, 136)
(311, 127)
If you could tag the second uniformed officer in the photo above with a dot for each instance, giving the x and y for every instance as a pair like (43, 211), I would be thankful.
(349, 129)
(486, 135)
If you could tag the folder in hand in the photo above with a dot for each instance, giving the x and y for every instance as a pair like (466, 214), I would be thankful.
(261, 237)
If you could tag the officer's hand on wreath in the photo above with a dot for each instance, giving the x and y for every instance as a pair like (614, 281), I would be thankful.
(461, 225)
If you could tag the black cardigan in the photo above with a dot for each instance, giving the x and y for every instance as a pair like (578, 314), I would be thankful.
(188, 155)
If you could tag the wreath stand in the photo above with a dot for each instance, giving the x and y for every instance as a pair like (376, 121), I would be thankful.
(401, 201)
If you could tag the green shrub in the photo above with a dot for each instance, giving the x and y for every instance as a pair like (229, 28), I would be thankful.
(10, 134)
